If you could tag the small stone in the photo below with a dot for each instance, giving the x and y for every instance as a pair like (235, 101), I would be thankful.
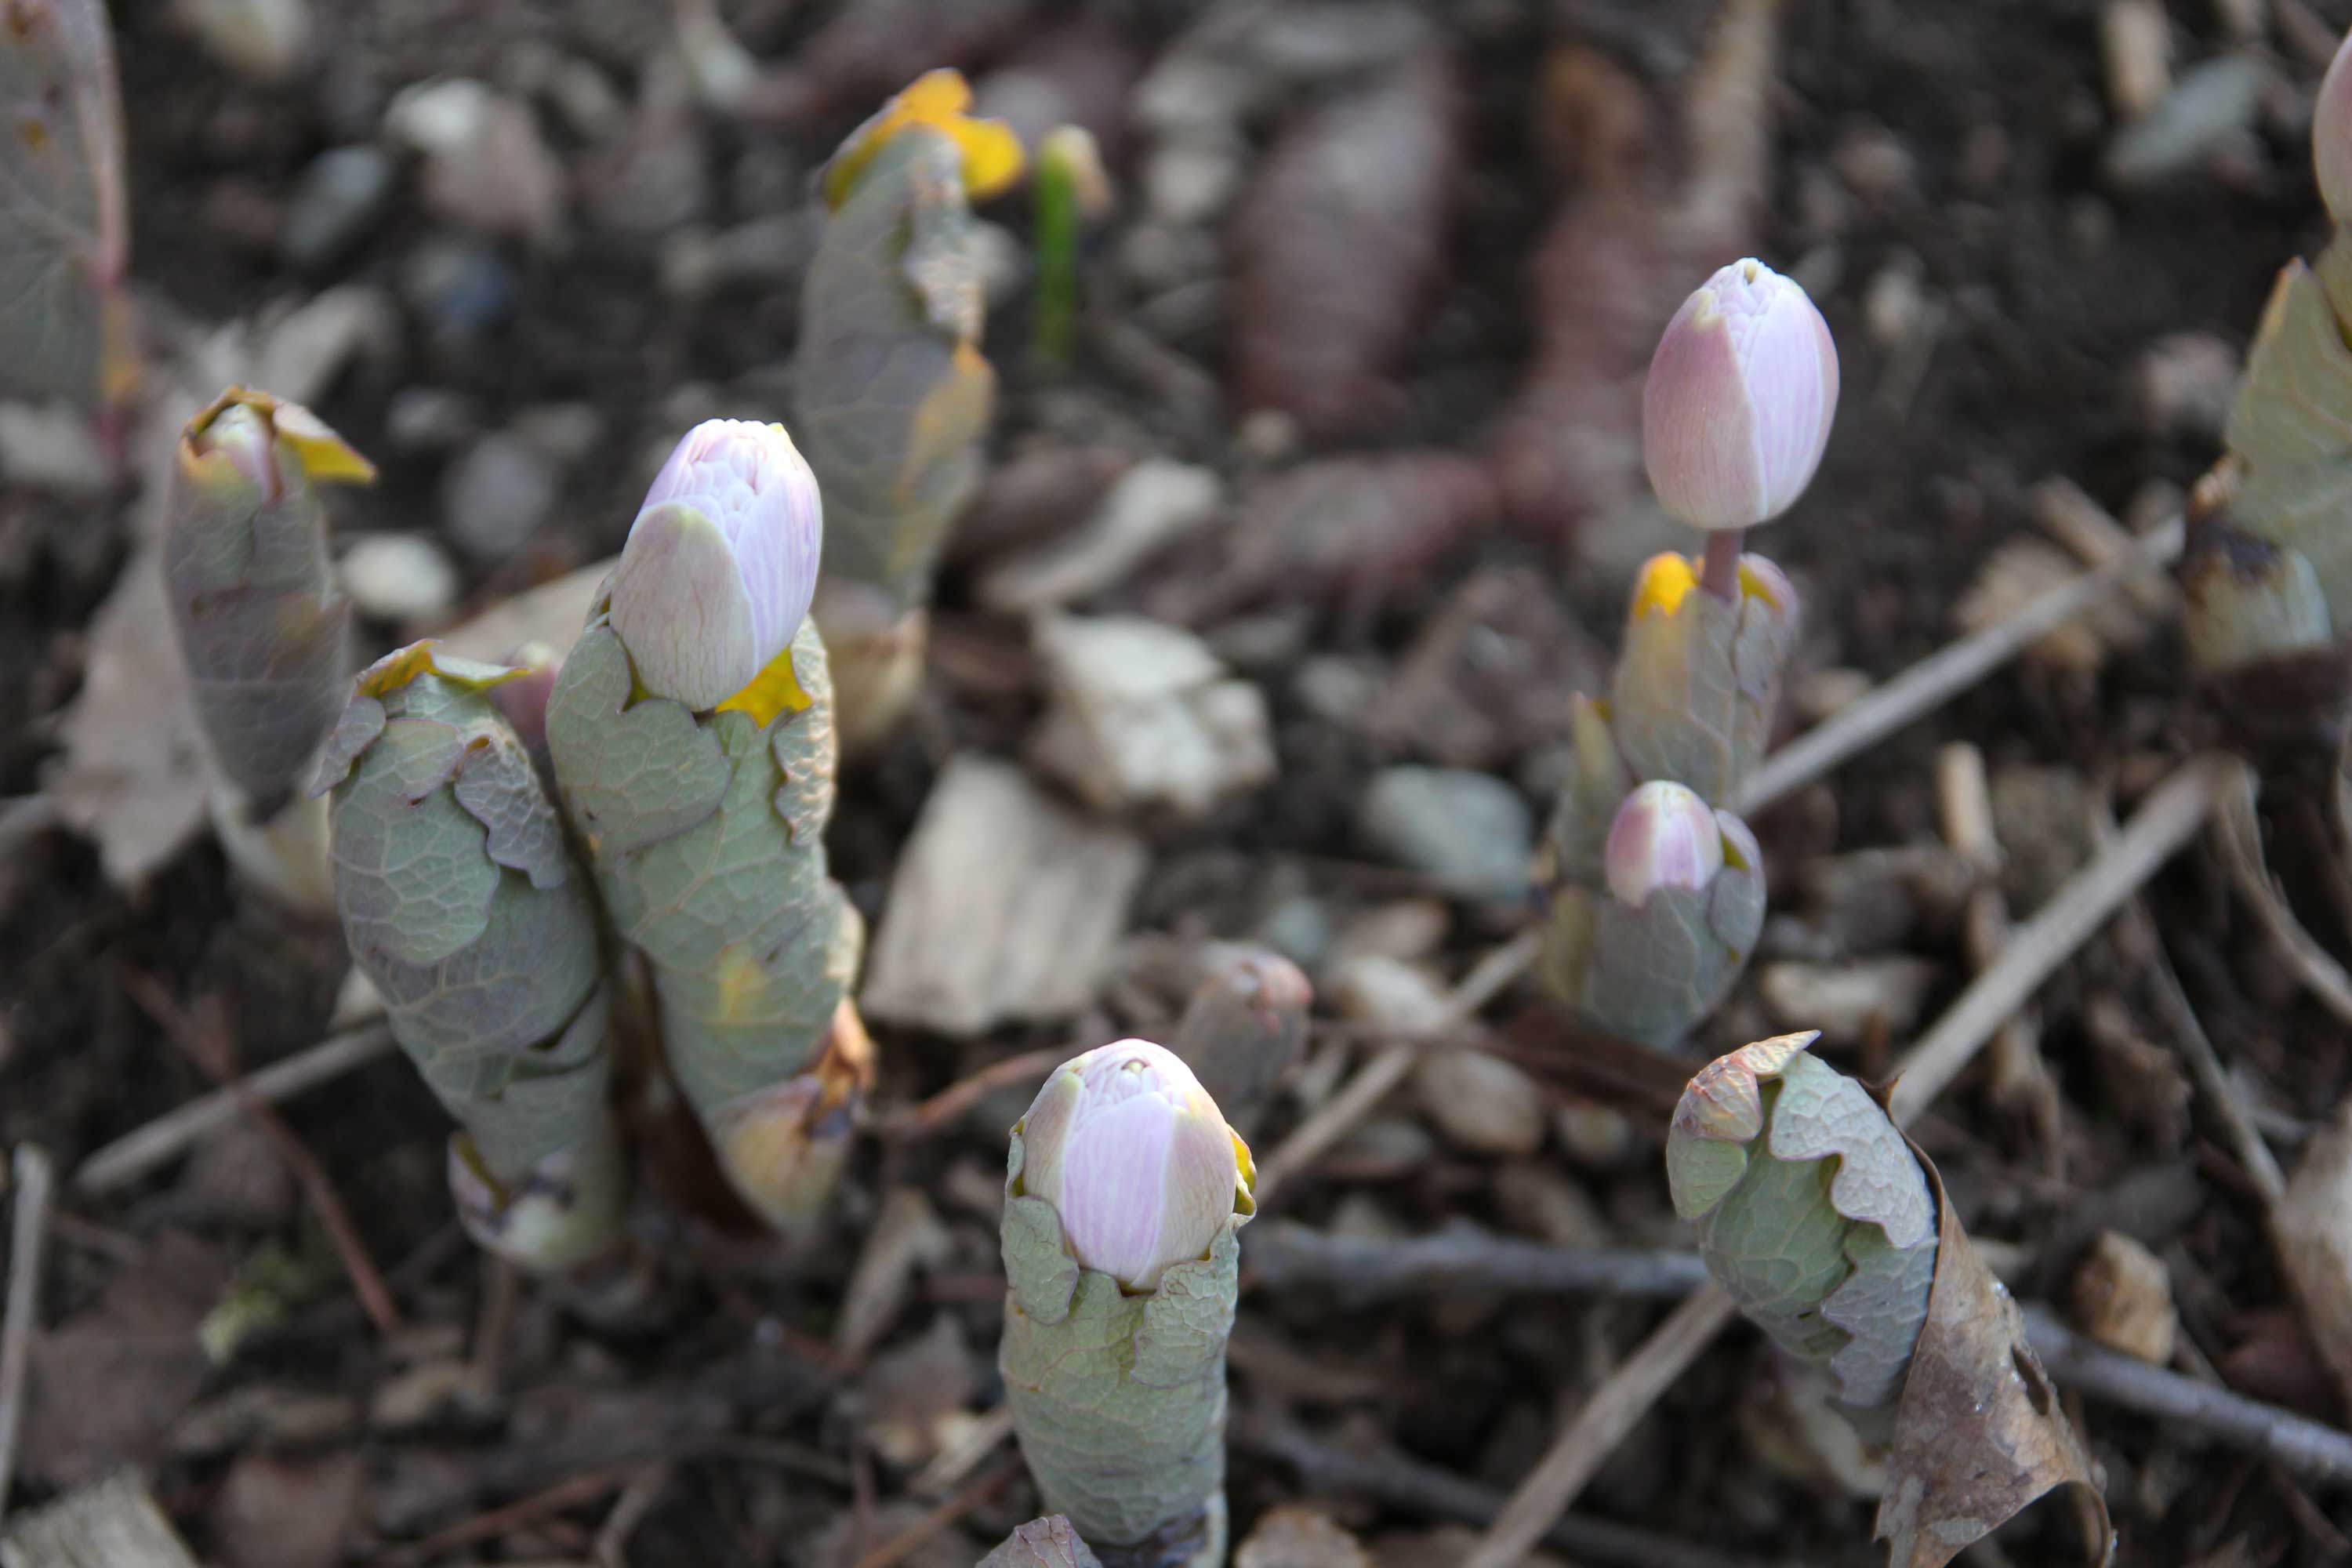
(2209, 115)
(340, 197)
(1389, 993)
(1550, 1205)
(496, 496)
(51, 447)
(486, 168)
(458, 288)
(1152, 506)
(1481, 1103)
(1847, 1001)
(1408, 929)
(400, 578)
(564, 433)
(1299, 928)
(1337, 689)
(1143, 714)
(261, 40)
(1295, 1537)
(421, 420)
(2136, 42)
(1874, 162)
(1470, 831)
(1188, 183)
(1822, 694)
(2183, 385)
(1598, 1137)
(2123, 1298)
(418, 1396)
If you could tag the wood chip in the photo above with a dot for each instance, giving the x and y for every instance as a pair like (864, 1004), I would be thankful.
(112, 1523)
(1007, 906)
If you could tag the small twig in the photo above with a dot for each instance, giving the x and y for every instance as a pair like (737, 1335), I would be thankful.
(904, 1544)
(31, 1165)
(208, 1050)
(2221, 1094)
(1623, 1399)
(2166, 820)
(1373, 1080)
(927, 1117)
(569, 1493)
(629, 1510)
(1286, 1256)
(135, 1153)
(2241, 839)
(1944, 675)
(1412, 1487)
(2307, 1448)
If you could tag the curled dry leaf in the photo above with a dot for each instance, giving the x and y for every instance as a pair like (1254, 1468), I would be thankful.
(1049, 1542)
(64, 233)
(1979, 1433)
(1338, 245)
(1245, 1025)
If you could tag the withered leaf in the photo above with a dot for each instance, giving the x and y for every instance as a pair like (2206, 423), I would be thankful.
(1338, 244)
(1049, 1542)
(1979, 1433)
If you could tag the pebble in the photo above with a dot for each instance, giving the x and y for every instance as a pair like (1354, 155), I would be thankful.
(1190, 182)
(1847, 1001)
(1481, 1103)
(261, 40)
(495, 496)
(421, 420)
(2210, 112)
(51, 447)
(564, 433)
(2183, 385)
(487, 167)
(2123, 1298)
(1403, 929)
(1550, 1205)
(340, 197)
(400, 578)
(1471, 832)
(1387, 992)
(1299, 928)
(458, 288)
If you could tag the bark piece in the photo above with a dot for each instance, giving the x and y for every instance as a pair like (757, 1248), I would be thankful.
(1006, 905)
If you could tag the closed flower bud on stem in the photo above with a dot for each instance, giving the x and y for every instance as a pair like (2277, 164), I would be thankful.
(720, 564)
(1740, 397)
(1663, 836)
(1136, 1158)
(1123, 1192)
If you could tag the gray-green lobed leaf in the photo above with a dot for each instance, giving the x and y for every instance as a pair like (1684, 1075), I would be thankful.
(1812, 1212)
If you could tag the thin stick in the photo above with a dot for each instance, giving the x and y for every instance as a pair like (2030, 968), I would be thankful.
(1412, 1487)
(135, 1153)
(1373, 1080)
(2306, 1448)
(1285, 1254)
(2164, 821)
(927, 1117)
(904, 1544)
(1944, 675)
(32, 1221)
(629, 1510)
(208, 1050)
(2261, 1167)
(1622, 1399)
(565, 1494)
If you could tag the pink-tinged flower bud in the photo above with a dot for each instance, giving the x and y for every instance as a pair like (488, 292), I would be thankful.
(721, 563)
(1664, 835)
(1136, 1159)
(2331, 135)
(1741, 395)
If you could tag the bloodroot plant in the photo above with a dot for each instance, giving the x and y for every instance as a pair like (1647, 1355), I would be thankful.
(1832, 1232)
(1654, 889)
(1124, 1192)
(892, 391)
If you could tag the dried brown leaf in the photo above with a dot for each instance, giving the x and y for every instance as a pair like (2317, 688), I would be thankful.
(1979, 1433)
(1050, 1543)
(1297, 1537)
(1338, 244)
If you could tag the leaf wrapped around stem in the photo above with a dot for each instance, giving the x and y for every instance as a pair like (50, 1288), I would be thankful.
(460, 902)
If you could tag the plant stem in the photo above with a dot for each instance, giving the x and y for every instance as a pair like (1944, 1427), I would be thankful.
(1719, 571)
